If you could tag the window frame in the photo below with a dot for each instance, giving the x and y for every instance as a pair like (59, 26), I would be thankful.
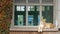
(34, 28)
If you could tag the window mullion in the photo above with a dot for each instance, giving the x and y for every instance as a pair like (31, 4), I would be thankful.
(26, 13)
(40, 10)
(26, 16)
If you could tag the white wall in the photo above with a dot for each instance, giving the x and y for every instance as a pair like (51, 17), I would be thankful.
(58, 4)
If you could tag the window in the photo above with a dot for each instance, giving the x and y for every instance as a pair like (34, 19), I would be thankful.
(27, 16)
(47, 13)
(20, 15)
(33, 13)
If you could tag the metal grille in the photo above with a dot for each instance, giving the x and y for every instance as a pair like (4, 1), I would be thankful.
(20, 1)
(47, 1)
(33, 1)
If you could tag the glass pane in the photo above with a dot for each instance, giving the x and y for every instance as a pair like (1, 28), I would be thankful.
(30, 19)
(20, 8)
(33, 17)
(47, 13)
(20, 16)
(20, 20)
(38, 8)
(31, 8)
(47, 1)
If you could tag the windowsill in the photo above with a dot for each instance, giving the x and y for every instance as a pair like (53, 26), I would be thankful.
(15, 29)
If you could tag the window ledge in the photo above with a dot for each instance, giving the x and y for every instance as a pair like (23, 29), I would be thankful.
(14, 29)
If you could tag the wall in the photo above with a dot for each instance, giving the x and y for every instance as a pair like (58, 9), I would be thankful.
(58, 13)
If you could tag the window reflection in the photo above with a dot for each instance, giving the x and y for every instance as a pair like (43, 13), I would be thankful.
(30, 19)
(31, 8)
(20, 20)
(20, 8)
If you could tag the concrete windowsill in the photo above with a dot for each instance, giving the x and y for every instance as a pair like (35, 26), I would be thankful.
(55, 29)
